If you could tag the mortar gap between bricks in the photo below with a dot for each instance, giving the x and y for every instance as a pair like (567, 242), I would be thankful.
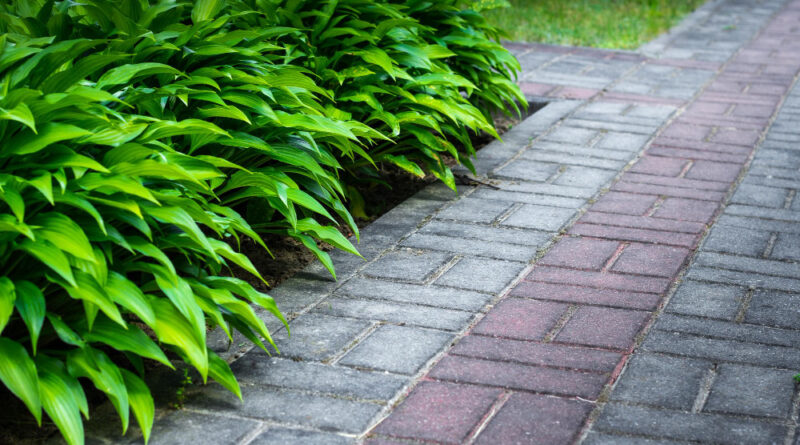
(705, 389)
(334, 359)
(490, 414)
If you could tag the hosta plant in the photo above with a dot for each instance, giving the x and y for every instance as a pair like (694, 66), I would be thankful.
(426, 74)
(141, 141)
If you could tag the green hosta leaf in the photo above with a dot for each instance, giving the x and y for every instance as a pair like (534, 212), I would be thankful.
(60, 405)
(10, 224)
(128, 295)
(51, 257)
(21, 113)
(116, 134)
(14, 200)
(182, 219)
(378, 57)
(83, 67)
(321, 255)
(75, 200)
(443, 79)
(64, 157)
(304, 199)
(219, 370)
(172, 328)
(88, 290)
(57, 367)
(18, 373)
(225, 250)
(163, 129)
(105, 375)
(31, 307)
(124, 74)
(206, 9)
(180, 294)
(141, 402)
(226, 112)
(44, 184)
(50, 133)
(109, 184)
(326, 233)
(404, 163)
(242, 288)
(8, 297)
(65, 234)
(131, 339)
(64, 332)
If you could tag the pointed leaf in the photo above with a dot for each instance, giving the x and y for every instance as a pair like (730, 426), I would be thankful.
(18, 373)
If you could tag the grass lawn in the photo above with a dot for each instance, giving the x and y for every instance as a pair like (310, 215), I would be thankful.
(623, 24)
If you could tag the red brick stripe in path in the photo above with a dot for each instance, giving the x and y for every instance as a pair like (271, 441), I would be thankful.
(530, 371)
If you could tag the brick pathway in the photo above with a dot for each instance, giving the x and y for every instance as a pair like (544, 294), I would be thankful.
(515, 314)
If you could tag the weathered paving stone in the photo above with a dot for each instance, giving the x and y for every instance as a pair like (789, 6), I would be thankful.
(414, 294)
(623, 141)
(495, 249)
(281, 436)
(533, 353)
(318, 337)
(743, 264)
(486, 233)
(787, 247)
(711, 428)
(526, 418)
(424, 316)
(602, 327)
(744, 332)
(585, 177)
(707, 300)
(743, 278)
(439, 411)
(751, 390)
(408, 265)
(481, 275)
(594, 438)
(720, 350)
(761, 196)
(527, 170)
(187, 427)
(737, 240)
(579, 136)
(288, 407)
(258, 368)
(475, 210)
(529, 198)
(773, 308)
(518, 376)
(677, 380)
(399, 349)
(538, 217)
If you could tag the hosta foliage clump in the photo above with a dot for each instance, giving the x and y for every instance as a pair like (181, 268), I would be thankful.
(141, 141)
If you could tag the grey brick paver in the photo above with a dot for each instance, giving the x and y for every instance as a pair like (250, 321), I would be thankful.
(677, 381)
(259, 368)
(482, 275)
(751, 391)
(281, 436)
(289, 407)
(706, 428)
(399, 349)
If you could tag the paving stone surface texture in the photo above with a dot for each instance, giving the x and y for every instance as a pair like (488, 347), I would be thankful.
(630, 277)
